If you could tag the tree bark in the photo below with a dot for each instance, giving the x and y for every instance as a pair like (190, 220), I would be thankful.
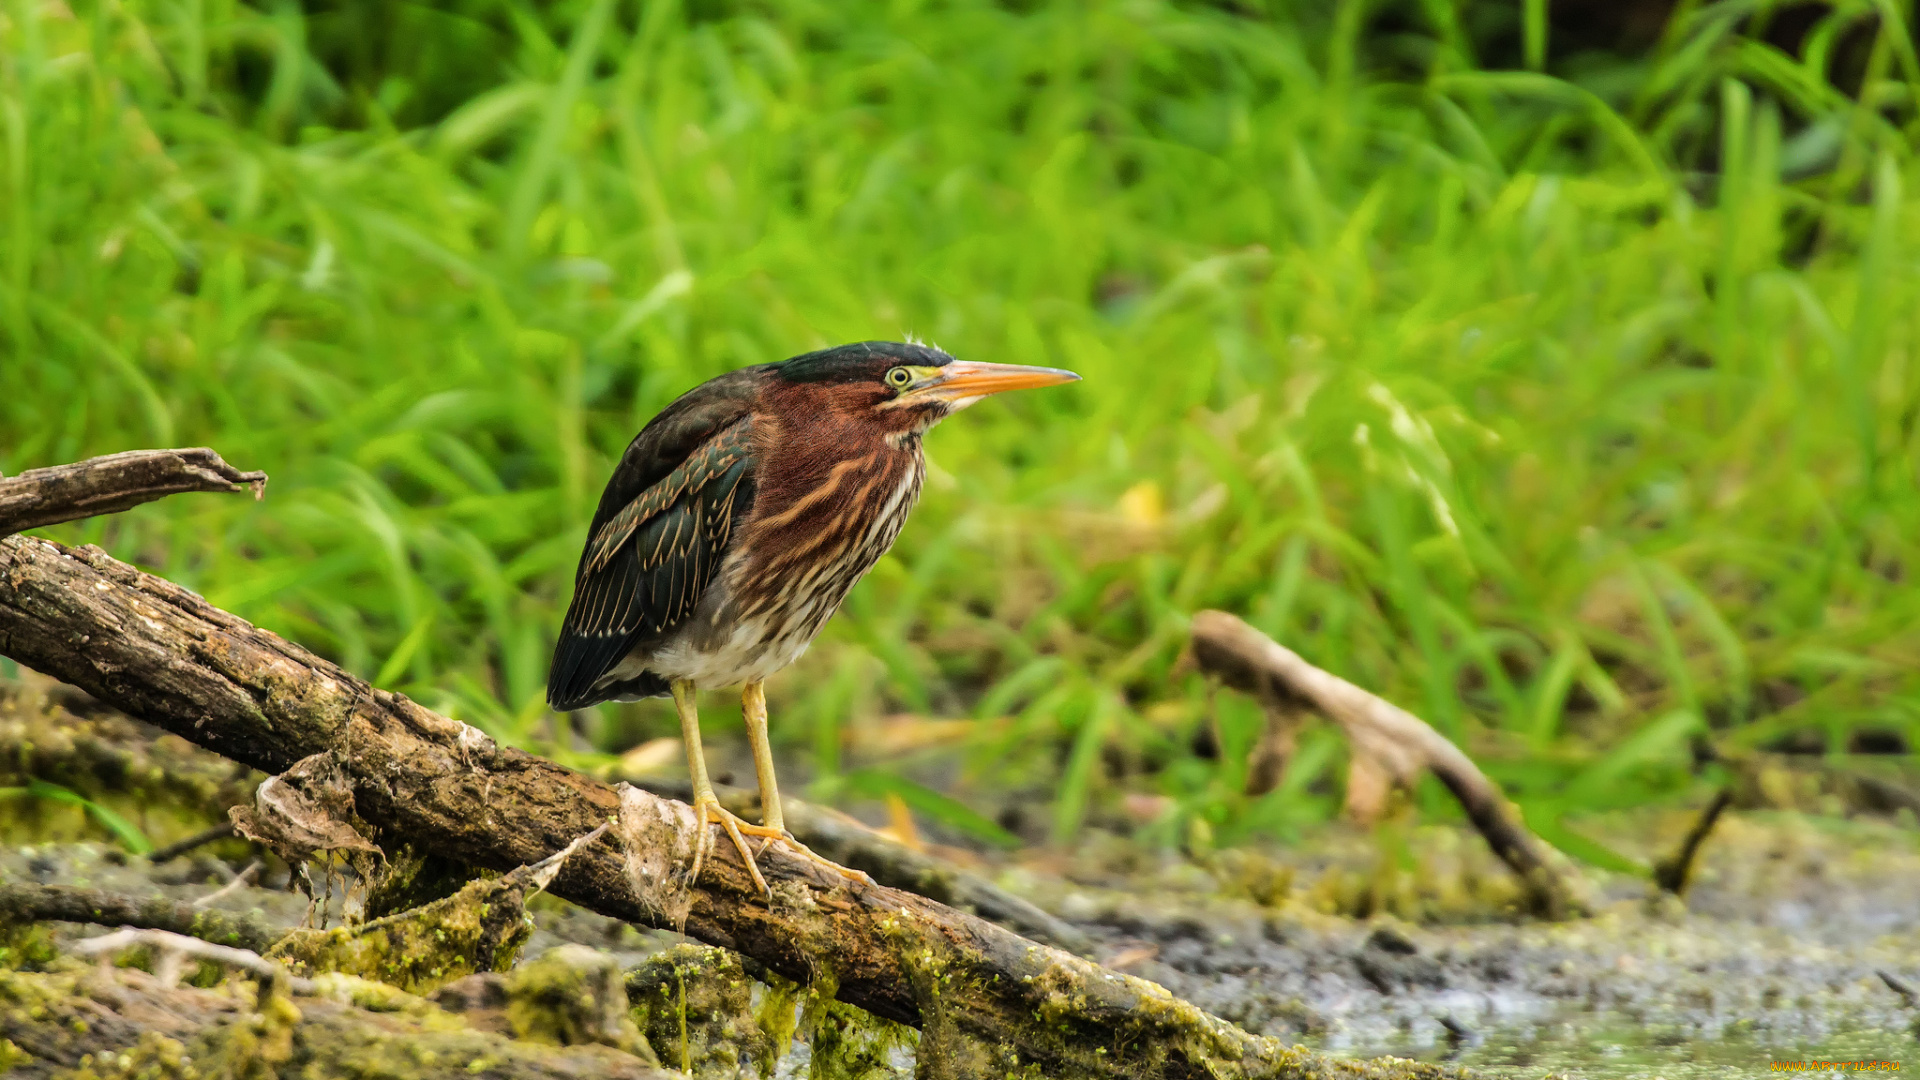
(986, 1000)
(1391, 739)
(116, 482)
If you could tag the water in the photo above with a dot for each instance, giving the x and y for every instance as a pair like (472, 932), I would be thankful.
(1651, 1053)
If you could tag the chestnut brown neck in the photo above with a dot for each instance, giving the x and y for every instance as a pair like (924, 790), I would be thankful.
(832, 489)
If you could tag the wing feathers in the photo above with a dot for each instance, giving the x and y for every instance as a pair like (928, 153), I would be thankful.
(646, 567)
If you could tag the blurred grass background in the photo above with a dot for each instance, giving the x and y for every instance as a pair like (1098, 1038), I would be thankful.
(1557, 382)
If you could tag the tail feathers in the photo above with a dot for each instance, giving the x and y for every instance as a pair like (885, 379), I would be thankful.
(580, 661)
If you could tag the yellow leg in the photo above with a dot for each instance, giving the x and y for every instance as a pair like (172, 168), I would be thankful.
(753, 704)
(706, 807)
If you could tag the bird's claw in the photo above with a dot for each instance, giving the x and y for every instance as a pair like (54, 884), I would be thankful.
(711, 812)
(821, 860)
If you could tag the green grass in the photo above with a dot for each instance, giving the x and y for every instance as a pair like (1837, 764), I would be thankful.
(1576, 408)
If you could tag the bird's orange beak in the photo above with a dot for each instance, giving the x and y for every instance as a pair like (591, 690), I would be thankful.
(963, 382)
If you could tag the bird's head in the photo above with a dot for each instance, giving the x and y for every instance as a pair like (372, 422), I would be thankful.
(901, 388)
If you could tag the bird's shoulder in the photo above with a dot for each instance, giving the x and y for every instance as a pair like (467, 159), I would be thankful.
(678, 433)
(713, 474)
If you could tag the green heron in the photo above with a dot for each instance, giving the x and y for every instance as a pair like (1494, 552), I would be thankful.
(735, 524)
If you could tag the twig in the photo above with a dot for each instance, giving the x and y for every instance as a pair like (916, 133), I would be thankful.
(1672, 874)
(64, 903)
(181, 847)
(1389, 738)
(163, 942)
(240, 881)
(1899, 986)
(116, 482)
(981, 995)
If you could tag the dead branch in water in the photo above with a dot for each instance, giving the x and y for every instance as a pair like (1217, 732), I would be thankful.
(378, 765)
(1390, 745)
(116, 482)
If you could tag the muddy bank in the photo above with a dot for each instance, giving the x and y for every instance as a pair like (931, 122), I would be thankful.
(1779, 946)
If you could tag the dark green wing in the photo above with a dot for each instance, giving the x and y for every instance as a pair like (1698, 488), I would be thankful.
(654, 547)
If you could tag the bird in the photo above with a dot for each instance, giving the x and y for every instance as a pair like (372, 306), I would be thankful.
(734, 525)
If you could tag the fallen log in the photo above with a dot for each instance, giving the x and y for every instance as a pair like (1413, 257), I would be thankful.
(56, 733)
(986, 1000)
(1390, 744)
(116, 482)
(21, 904)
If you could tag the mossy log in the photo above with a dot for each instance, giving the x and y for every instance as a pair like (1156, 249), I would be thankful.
(986, 1000)
(57, 734)
(102, 1023)
(703, 1008)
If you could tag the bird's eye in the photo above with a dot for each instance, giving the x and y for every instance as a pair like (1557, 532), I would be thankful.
(899, 377)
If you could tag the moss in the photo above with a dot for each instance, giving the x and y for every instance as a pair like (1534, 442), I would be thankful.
(704, 1013)
(257, 1045)
(480, 928)
(376, 997)
(414, 878)
(573, 996)
(707, 1014)
(943, 1048)
(154, 1057)
(29, 946)
(229, 1035)
(847, 1043)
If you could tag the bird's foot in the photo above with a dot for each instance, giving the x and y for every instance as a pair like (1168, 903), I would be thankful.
(785, 837)
(710, 812)
(738, 829)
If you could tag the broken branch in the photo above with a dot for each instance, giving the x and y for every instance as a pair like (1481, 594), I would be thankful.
(116, 482)
(1390, 739)
(163, 941)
